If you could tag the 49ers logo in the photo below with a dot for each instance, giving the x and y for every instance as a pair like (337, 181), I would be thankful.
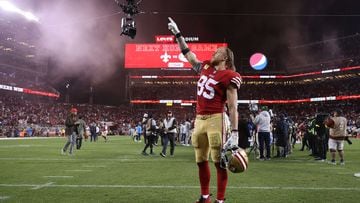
(206, 87)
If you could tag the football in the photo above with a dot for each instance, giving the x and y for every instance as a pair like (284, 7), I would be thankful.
(329, 123)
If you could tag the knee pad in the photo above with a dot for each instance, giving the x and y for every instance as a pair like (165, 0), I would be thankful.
(201, 154)
(216, 154)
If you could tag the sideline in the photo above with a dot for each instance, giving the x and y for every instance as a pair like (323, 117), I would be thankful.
(28, 138)
(52, 185)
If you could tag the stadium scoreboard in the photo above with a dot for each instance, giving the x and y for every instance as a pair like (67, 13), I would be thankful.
(165, 55)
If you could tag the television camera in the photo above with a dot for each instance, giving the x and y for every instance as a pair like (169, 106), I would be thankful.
(128, 25)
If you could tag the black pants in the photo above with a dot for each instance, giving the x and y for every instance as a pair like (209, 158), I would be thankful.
(150, 139)
(322, 145)
(78, 142)
(93, 137)
(305, 142)
(264, 138)
(169, 137)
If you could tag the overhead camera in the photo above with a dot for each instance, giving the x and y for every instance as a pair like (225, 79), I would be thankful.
(128, 26)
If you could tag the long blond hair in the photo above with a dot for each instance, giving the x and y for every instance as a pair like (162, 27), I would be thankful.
(229, 62)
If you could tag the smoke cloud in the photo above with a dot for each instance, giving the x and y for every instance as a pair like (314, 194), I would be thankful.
(79, 42)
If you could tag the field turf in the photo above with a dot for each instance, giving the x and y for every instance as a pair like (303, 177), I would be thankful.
(33, 170)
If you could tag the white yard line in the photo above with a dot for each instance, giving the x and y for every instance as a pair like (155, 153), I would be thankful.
(78, 170)
(58, 176)
(42, 186)
(51, 184)
(27, 138)
(21, 145)
(94, 166)
(4, 197)
(83, 159)
(333, 168)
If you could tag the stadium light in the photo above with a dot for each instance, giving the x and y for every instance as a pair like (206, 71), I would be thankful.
(8, 6)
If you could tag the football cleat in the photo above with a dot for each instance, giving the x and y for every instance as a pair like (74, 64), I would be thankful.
(204, 200)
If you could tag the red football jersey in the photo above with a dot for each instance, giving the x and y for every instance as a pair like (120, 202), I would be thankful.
(211, 88)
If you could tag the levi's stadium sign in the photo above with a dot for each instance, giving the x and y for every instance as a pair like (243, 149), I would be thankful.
(166, 55)
(164, 38)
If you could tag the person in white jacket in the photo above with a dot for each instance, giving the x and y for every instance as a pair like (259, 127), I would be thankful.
(262, 122)
(170, 126)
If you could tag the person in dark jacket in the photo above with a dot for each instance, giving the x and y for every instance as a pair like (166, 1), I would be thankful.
(282, 135)
(81, 129)
(150, 130)
(70, 131)
(244, 132)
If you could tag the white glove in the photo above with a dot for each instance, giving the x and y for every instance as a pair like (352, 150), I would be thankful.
(233, 141)
(173, 27)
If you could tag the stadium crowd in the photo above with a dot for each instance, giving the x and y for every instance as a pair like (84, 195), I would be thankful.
(20, 110)
(256, 90)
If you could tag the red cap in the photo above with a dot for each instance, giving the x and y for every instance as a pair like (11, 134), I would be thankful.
(73, 110)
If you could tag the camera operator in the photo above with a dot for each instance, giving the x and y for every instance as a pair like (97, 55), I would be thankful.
(262, 122)
(311, 135)
(244, 132)
(321, 138)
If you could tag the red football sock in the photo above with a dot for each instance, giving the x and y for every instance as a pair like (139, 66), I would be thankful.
(204, 176)
(222, 179)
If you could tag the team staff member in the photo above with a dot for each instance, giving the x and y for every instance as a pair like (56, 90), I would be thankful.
(170, 125)
(150, 130)
(218, 83)
(70, 131)
(81, 129)
(262, 122)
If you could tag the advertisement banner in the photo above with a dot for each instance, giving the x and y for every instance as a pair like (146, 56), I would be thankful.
(166, 55)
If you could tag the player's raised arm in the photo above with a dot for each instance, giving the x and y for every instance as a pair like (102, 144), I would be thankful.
(189, 55)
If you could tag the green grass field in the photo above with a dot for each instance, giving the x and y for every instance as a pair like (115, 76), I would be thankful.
(35, 171)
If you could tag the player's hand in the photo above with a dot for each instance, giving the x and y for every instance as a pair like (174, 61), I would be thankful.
(233, 141)
(173, 27)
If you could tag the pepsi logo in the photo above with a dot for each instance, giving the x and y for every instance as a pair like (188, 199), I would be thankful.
(258, 61)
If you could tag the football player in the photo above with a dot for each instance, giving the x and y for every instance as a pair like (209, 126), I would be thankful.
(104, 132)
(217, 85)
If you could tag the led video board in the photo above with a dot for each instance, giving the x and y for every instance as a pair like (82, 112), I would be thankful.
(165, 55)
